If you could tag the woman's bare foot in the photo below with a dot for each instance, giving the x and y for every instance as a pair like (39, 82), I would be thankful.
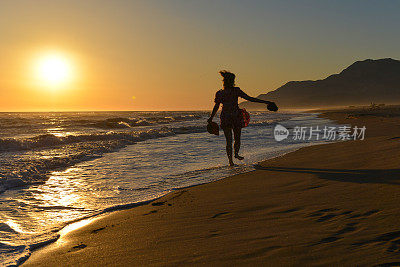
(239, 157)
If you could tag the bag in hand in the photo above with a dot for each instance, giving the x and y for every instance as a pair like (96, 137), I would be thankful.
(245, 117)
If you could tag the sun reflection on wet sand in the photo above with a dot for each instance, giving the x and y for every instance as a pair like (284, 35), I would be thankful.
(60, 191)
(15, 226)
(60, 199)
(76, 225)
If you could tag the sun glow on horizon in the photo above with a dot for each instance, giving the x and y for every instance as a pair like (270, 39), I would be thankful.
(53, 70)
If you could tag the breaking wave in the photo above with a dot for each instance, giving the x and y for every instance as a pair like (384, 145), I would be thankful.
(60, 152)
(50, 140)
(68, 151)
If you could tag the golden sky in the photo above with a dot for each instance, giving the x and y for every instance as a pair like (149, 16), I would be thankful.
(165, 55)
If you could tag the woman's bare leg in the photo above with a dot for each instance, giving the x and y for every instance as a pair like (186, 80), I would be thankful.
(228, 136)
(236, 134)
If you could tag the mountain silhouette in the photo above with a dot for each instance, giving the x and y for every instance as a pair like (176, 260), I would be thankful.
(363, 82)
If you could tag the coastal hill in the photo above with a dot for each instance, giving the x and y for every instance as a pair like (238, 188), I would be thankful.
(363, 82)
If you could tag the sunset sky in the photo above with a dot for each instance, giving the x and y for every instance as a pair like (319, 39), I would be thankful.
(165, 55)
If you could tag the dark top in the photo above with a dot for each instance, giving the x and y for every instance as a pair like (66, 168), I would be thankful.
(231, 116)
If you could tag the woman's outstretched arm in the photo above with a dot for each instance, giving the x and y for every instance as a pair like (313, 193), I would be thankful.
(214, 111)
(270, 105)
(253, 99)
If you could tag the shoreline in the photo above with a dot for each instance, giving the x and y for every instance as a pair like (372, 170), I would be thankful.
(81, 222)
(240, 169)
(155, 208)
(35, 233)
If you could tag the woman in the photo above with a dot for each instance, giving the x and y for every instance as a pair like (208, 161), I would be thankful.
(231, 116)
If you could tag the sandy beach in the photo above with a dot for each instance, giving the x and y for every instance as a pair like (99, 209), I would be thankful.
(331, 204)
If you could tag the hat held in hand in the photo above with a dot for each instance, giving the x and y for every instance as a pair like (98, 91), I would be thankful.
(213, 128)
(272, 106)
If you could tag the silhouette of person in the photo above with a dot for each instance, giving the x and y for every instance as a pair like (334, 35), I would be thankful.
(231, 116)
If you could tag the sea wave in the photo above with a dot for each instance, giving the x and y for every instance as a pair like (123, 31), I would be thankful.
(51, 140)
(63, 152)
(89, 122)
(60, 152)
(14, 255)
(124, 123)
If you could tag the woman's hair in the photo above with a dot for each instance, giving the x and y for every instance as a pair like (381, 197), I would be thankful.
(228, 78)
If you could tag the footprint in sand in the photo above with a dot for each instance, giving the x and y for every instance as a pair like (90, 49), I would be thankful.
(366, 214)
(391, 238)
(350, 227)
(150, 212)
(77, 247)
(220, 214)
(388, 264)
(320, 213)
(326, 217)
(95, 231)
(160, 203)
(286, 211)
(328, 214)
(314, 187)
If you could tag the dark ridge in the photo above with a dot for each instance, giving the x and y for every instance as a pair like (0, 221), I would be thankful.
(362, 83)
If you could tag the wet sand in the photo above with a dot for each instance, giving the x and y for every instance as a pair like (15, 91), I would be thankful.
(332, 204)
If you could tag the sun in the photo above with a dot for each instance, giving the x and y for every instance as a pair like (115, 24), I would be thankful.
(53, 70)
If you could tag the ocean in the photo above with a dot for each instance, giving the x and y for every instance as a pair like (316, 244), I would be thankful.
(59, 167)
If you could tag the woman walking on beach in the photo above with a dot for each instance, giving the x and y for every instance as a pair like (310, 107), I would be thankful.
(231, 116)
